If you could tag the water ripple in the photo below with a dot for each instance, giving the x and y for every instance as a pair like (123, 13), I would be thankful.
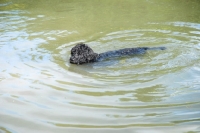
(39, 87)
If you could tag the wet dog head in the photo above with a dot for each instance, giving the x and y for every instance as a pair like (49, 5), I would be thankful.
(81, 53)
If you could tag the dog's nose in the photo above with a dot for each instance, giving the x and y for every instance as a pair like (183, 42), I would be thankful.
(71, 59)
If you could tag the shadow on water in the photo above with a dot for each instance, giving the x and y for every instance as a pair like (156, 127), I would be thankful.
(155, 92)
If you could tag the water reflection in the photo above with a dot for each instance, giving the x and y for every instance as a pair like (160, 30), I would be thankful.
(155, 92)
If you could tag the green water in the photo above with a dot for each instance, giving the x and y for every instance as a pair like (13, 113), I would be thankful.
(40, 91)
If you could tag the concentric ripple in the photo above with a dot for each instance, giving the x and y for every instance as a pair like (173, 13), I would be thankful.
(41, 91)
(159, 88)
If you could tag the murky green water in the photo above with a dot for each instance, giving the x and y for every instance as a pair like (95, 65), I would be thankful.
(40, 91)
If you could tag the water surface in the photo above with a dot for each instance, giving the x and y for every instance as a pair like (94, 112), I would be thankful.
(40, 91)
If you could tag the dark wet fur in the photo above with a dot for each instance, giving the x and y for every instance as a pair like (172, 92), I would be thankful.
(82, 53)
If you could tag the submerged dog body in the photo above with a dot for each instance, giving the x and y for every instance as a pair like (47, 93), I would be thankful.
(81, 53)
